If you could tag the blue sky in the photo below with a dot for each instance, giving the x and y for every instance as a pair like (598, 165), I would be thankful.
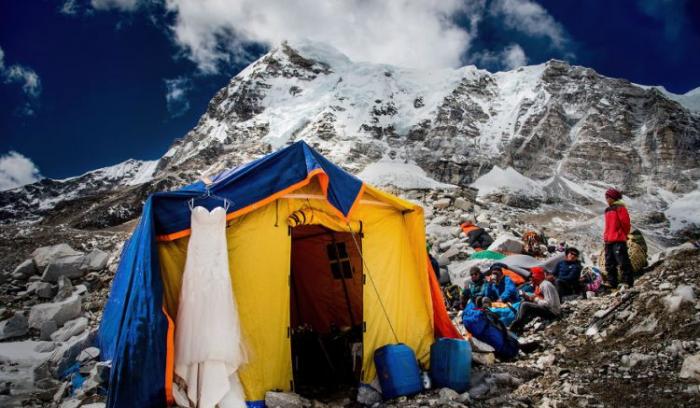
(89, 83)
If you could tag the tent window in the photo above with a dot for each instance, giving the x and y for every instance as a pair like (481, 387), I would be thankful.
(339, 260)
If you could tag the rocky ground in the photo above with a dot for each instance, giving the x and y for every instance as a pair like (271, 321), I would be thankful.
(52, 299)
(54, 281)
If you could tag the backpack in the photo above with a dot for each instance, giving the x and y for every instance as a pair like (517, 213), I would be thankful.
(487, 327)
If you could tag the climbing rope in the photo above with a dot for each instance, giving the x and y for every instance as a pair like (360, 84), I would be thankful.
(374, 286)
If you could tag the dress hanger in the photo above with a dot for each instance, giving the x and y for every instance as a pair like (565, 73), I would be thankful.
(207, 195)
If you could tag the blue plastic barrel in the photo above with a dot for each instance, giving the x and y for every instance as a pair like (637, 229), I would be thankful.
(397, 370)
(451, 364)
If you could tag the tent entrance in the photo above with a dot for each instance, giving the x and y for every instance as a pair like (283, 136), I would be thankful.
(326, 310)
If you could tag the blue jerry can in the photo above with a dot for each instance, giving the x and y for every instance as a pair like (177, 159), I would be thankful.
(397, 370)
(451, 364)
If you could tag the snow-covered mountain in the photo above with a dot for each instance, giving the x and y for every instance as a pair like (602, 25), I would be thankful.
(690, 100)
(47, 198)
(562, 133)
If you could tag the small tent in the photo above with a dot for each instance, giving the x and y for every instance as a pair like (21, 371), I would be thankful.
(290, 212)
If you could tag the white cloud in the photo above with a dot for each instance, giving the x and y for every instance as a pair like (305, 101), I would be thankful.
(69, 8)
(176, 95)
(412, 33)
(511, 57)
(26, 77)
(31, 85)
(416, 33)
(514, 56)
(123, 5)
(530, 18)
(17, 170)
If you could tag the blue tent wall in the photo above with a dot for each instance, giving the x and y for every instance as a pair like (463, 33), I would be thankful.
(133, 330)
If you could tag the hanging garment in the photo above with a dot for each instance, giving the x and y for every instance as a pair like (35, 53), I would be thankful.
(208, 347)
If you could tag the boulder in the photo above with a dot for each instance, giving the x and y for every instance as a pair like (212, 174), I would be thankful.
(45, 255)
(61, 393)
(446, 257)
(368, 396)
(479, 391)
(545, 361)
(45, 347)
(58, 312)
(70, 329)
(80, 290)
(100, 372)
(71, 403)
(507, 243)
(15, 326)
(24, 270)
(65, 289)
(46, 330)
(691, 367)
(462, 204)
(485, 359)
(46, 388)
(633, 359)
(447, 394)
(43, 290)
(67, 266)
(442, 203)
(64, 356)
(284, 400)
(89, 353)
(480, 346)
(41, 372)
(96, 260)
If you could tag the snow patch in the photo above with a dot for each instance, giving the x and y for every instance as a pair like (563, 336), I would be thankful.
(689, 100)
(24, 358)
(509, 180)
(685, 212)
(399, 174)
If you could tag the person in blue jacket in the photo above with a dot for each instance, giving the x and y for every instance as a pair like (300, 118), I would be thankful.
(567, 273)
(476, 286)
(502, 288)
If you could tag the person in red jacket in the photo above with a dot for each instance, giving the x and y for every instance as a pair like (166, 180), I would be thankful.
(617, 227)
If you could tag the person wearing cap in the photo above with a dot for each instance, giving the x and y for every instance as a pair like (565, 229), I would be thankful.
(544, 304)
(502, 288)
(567, 273)
(617, 227)
(477, 285)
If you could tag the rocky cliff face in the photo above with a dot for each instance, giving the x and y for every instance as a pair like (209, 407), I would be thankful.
(570, 130)
(546, 120)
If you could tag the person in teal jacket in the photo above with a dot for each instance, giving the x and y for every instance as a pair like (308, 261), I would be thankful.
(502, 288)
(477, 286)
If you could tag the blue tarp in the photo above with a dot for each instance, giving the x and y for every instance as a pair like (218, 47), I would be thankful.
(133, 330)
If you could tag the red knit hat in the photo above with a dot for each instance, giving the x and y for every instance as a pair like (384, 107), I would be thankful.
(613, 194)
(537, 274)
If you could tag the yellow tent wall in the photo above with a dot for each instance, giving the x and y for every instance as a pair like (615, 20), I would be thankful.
(259, 247)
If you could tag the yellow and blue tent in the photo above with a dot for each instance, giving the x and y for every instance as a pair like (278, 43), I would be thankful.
(278, 204)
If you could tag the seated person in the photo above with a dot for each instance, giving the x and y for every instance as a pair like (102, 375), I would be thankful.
(453, 296)
(477, 237)
(545, 302)
(567, 273)
(502, 288)
(476, 286)
(591, 279)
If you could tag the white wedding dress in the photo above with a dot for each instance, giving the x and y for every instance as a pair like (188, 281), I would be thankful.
(208, 345)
